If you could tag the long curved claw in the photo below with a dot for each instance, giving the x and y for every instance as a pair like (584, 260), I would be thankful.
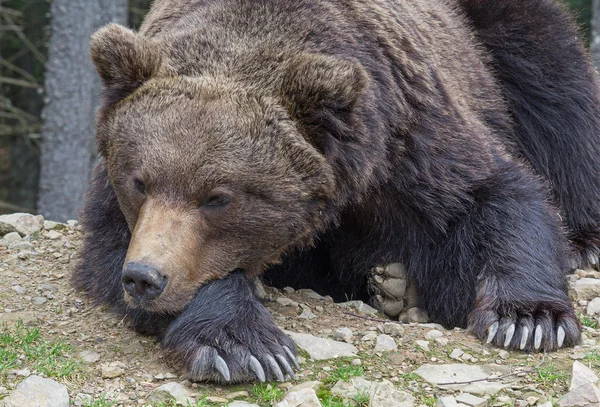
(257, 369)
(492, 330)
(291, 355)
(286, 366)
(275, 367)
(509, 335)
(524, 337)
(560, 336)
(221, 366)
(538, 337)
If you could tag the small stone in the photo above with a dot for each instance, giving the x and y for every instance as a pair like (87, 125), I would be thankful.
(504, 354)
(371, 336)
(18, 289)
(315, 385)
(343, 334)
(312, 294)
(307, 314)
(36, 391)
(286, 302)
(356, 362)
(215, 399)
(442, 341)
(173, 391)
(582, 375)
(471, 400)
(350, 389)
(532, 400)
(47, 287)
(53, 235)
(82, 399)
(385, 395)
(89, 356)
(447, 401)
(585, 289)
(456, 354)
(50, 224)
(322, 348)
(23, 223)
(476, 375)
(12, 237)
(288, 290)
(587, 395)
(300, 398)
(594, 306)
(39, 300)
(433, 334)
(393, 329)
(385, 343)
(237, 394)
(72, 223)
(110, 371)
(240, 403)
(360, 307)
(423, 345)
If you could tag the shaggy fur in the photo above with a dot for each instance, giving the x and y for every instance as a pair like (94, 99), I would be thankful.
(329, 137)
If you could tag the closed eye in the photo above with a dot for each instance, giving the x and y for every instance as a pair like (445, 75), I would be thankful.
(217, 201)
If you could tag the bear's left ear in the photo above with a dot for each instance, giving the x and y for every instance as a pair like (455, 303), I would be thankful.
(124, 60)
(322, 91)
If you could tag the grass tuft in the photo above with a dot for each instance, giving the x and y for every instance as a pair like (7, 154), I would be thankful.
(344, 372)
(266, 394)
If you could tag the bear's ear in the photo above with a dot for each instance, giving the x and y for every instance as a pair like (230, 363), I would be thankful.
(124, 60)
(322, 91)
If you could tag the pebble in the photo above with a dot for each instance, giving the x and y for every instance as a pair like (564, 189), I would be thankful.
(89, 356)
(72, 223)
(216, 400)
(348, 390)
(173, 391)
(447, 401)
(360, 307)
(343, 334)
(442, 341)
(356, 362)
(582, 375)
(435, 374)
(240, 403)
(24, 223)
(307, 313)
(18, 289)
(594, 306)
(288, 290)
(12, 237)
(39, 300)
(471, 400)
(385, 395)
(237, 394)
(304, 398)
(111, 370)
(371, 336)
(286, 302)
(504, 354)
(385, 343)
(393, 329)
(53, 235)
(587, 395)
(36, 391)
(433, 334)
(456, 354)
(423, 345)
(585, 289)
(322, 348)
(50, 224)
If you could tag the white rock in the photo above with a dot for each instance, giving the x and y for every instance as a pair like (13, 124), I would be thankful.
(170, 392)
(585, 289)
(587, 395)
(12, 237)
(442, 341)
(301, 398)
(315, 385)
(385, 343)
(423, 345)
(111, 370)
(72, 223)
(239, 403)
(286, 302)
(89, 356)
(23, 223)
(348, 390)
(594, 306)
(385, 395)
(307, 314)
(371, 336)
(343, 334)
(312, 294)
(450, 373)
(433, 334)
(53, 235)
(36, 391)
(360, 307)
(393, 329)
(447, 401)
(582, 375)
(456, 354)
(470, 400)
(322, 348)
(50, 224)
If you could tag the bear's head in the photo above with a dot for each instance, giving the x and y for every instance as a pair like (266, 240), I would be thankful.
(211, 175)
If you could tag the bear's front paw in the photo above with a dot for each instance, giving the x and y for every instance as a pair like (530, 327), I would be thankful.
(227, 335)
(545, 327)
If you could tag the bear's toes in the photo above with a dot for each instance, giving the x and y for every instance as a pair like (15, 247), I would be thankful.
(391, 291)
(542, 331)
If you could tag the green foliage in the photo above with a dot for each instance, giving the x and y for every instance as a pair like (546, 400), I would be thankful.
(345, 372)
(266, 394)
(101, 401)
(590, 322)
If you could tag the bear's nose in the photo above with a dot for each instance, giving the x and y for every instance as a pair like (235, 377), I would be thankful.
(143, 281)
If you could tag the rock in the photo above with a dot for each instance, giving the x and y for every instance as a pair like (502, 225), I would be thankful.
(315, 385)
(594, 306)
(50, 224)
(53, 235)
(28, 318)
(450, 373)
(322, 348)
(39, 300)
(302, 398)
(312, 295)
(72, 223)
(587, 395)
(12, 237)
(585, 289)
(348, 390)
(89, 356)
(442, 341)
(504, 354)
(237, 394)
(447, 401)
(356, 362)
(385, 343)
(239, 403)
(288, 290)
(423, 345)
(18, 289)
(360, 307)
(111, 370)
(393, 329)
(385, 395)
(23, 223)
(343, 334)
(433, 334)
(286, 302)
(371, 336)
(582, 375)
(307, 313)
(172, 392)
(216, 400)
(470, 400)
(456, 354)
(36, 391)
(414, 314)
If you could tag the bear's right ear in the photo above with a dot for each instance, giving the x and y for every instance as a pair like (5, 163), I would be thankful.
(124, 60)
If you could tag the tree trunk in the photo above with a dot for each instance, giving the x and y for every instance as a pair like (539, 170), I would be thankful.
(72, 98)
(595, 35)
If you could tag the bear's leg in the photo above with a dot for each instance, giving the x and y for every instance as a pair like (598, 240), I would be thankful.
(500, 268)
(227, 335)
(98, 270)
(553, 96)
(391, 291)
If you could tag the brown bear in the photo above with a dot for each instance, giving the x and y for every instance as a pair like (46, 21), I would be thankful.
(316, 139)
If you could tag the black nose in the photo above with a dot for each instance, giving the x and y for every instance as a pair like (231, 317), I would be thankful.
(142, 281)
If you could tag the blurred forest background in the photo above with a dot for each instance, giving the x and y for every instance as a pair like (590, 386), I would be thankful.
(49, 94)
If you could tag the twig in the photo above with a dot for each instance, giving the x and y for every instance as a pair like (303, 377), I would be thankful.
(20, 82)
(495, 379)
(5, 10)
(16, 208)
(18, 70)
(40, 57)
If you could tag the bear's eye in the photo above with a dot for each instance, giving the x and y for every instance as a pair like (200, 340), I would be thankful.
(215, 201)
(139, 185)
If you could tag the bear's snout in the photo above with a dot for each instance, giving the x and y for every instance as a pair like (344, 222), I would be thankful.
(143, 282)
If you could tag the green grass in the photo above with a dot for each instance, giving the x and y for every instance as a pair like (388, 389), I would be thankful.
(588, 321)
(24, 347)
(593, 358)
(344, 372)
(548, 375)
(100, 402)
(266, 394)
